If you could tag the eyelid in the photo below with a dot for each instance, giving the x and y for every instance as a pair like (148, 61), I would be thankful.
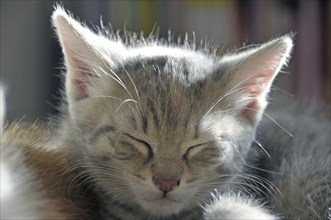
(148, 146)
(137, 139)
(195, 146)
(198, 145)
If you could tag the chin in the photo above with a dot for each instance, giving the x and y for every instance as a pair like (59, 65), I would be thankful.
(162, 207)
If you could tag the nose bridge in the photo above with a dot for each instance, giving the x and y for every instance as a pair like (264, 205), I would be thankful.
(167, 165)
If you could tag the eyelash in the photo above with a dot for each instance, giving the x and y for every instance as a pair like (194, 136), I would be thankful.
(148, 146)
(185, 155)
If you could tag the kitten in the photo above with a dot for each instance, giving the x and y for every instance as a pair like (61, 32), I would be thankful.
(157, 130)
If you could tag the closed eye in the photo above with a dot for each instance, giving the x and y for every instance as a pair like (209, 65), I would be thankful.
(202, 155)
(144, 147)
(193, 150)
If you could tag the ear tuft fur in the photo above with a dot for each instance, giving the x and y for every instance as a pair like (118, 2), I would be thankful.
(81, 53)
(252, 72)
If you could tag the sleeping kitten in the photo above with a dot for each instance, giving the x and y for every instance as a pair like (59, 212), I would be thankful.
(157, 130)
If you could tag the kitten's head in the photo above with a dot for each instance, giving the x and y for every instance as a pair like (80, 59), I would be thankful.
(161, 126)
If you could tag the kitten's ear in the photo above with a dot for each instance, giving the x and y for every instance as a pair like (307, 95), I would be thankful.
(252, 73)
(81, 52)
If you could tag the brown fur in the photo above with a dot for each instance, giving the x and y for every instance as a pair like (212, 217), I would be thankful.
(51, 167)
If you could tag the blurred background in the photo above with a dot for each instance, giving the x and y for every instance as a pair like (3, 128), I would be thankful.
(31, 57)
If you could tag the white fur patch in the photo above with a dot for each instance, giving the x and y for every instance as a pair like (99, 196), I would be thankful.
(21, 195)
(6, 182)
(233, 206)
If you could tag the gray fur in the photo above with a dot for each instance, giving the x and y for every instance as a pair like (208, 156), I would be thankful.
(300, 165)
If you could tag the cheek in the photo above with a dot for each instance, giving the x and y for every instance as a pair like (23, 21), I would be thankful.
(142, 173)
(195, 173)
(100, 147)
(137, 169)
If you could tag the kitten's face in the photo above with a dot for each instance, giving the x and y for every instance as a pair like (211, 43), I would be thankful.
(161, 126)
(158, 142)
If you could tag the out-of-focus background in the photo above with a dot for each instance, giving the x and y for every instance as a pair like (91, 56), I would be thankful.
(31, 57)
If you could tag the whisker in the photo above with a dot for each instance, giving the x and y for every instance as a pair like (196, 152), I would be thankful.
(106, 96)
(280, 126)
(282, 91)
(265, 114)
(236, 147)
(125, 101)
(267, 171)
(231, 91)
(260, 145)
(135, 89)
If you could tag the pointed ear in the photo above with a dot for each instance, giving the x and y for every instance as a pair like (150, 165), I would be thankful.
(252, 72)
(82, 55)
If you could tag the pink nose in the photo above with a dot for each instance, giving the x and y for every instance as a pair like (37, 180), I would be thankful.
(165, 185)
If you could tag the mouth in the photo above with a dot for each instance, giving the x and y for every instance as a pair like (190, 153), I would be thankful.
(165, 201)
(162, 206)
